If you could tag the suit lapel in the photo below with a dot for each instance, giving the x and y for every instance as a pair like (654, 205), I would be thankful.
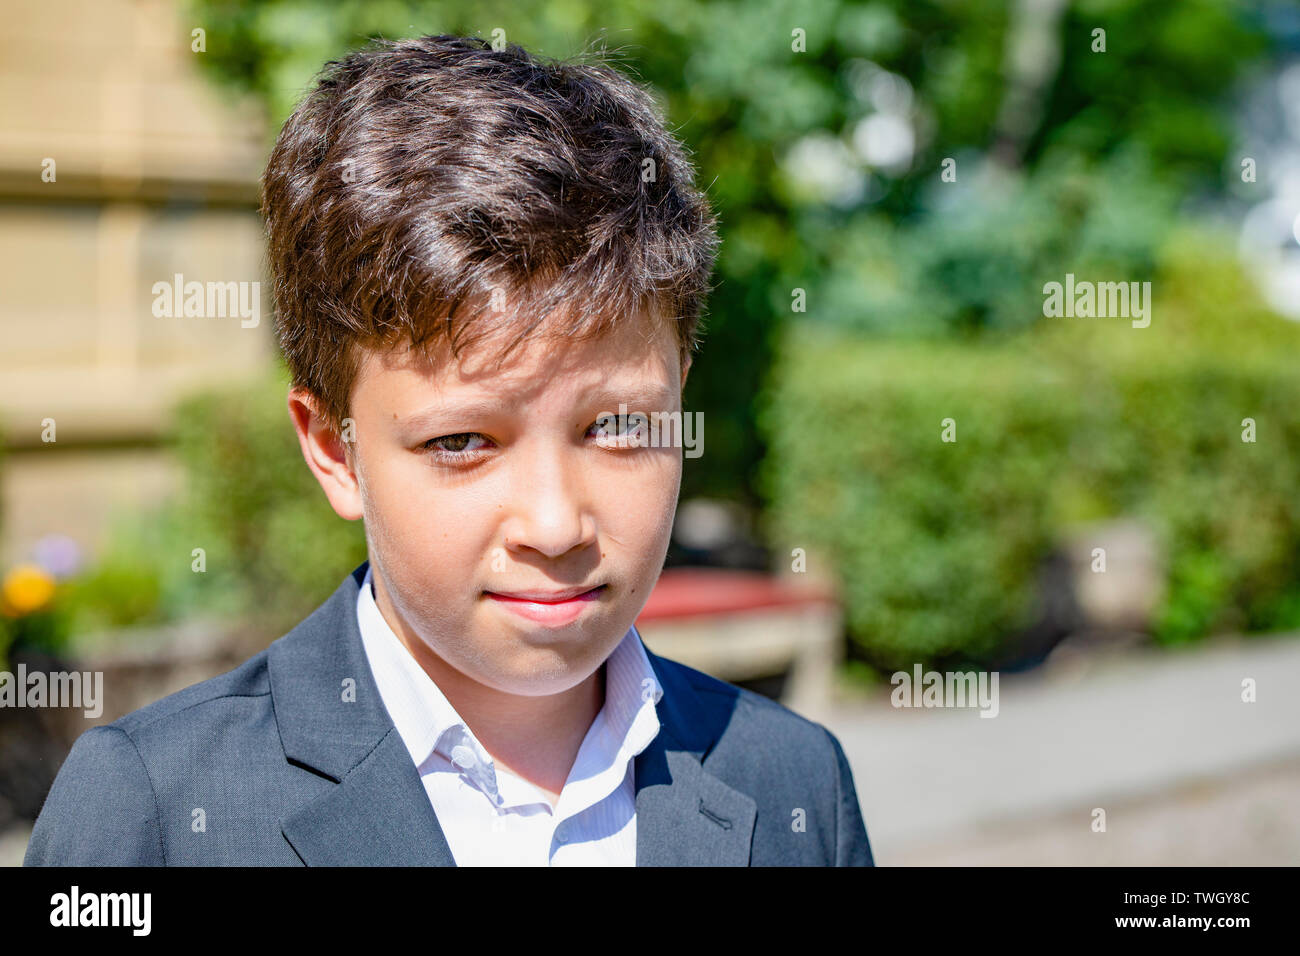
(378, 815)
(333, 721)
(685, 815)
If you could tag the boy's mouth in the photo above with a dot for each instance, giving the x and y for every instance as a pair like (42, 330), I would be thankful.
(552, 608)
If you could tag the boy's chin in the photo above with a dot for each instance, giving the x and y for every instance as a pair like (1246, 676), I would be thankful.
(541, 662)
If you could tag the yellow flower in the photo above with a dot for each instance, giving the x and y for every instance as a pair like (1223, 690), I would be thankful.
(26, 588)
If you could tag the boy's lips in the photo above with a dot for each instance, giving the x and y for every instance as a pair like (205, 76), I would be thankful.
(552, 608)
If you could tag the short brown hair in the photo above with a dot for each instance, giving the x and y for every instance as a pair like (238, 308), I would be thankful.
(421, 175)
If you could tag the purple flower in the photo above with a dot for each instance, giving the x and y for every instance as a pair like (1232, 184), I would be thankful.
(58, 554)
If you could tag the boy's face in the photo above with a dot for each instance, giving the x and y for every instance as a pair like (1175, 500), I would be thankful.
(508, 528)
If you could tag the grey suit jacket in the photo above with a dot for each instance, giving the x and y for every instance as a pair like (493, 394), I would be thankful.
(268, 765)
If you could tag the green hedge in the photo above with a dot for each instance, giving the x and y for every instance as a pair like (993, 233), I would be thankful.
(936, 545)
(273, 548)
(273, 545)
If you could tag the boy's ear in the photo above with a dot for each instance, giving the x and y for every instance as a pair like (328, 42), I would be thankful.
(326, 454)
(686, 368)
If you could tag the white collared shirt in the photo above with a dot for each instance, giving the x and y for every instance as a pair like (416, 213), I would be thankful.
(492, 817)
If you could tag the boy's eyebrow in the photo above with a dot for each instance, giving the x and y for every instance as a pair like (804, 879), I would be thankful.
(434, 413)
(637, 398)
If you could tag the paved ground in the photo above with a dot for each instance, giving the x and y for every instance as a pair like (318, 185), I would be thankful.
(13, 844)
(1187, 773)
(1248, 818)
(1161, 740)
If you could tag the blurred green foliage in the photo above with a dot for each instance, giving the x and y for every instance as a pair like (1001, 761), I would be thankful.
(936, 545)
(250, 539)
(272, 545)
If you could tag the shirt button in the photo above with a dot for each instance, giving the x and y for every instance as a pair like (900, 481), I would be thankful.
(462, 756)
(560, 835)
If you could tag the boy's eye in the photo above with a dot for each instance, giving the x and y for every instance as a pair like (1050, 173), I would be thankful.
(610, 431)
(620, 430)
(460, 443)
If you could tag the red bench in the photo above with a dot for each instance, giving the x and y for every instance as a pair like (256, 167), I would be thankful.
(742, 625)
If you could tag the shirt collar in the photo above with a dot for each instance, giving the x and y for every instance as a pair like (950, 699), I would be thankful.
(428, 723)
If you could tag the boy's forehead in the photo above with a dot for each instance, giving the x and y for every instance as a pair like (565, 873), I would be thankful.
(638, 349)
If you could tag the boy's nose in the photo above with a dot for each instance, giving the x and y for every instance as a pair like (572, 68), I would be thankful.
(549, 512)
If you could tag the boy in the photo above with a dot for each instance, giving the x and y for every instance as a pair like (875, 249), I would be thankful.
(477, 257)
